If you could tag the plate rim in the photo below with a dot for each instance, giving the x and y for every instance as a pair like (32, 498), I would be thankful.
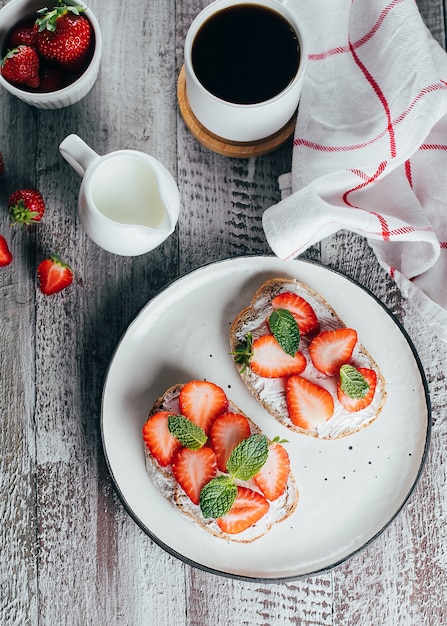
(353, 553)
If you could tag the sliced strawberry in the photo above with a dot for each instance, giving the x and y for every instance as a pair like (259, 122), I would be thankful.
(247, 509)
(273, 476)
(357, 404)
(158, 439)
(193, 469)
(5, 253)
(227, 431)
(54, 275)
(270, 361)
(301, 310)
(201, 402)
(309, 405)
(331, 349)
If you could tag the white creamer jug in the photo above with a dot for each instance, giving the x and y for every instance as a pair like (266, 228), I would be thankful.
(128, 201)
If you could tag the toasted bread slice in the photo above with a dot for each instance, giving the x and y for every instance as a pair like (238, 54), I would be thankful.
(164, 479)
(271, 392)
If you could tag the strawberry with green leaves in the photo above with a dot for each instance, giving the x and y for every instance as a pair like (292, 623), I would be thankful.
(234, 507)
(268, 359)
(26, 206)
(54, 275)
(301, 310)
(20, 66)
(248, 508)
(274, 355)
(5, 253)
(356, 387)
(63, 35)
(227, 431)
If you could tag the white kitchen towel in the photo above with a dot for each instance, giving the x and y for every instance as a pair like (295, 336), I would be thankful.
(370, 145)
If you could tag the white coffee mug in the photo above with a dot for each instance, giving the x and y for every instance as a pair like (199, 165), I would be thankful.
(241, 122)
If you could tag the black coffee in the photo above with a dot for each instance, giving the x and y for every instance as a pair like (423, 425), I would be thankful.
(245, 54)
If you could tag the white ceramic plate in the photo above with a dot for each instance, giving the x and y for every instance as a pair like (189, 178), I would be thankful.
(350, 489)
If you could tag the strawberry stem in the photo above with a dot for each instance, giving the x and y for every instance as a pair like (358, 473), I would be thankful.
(47, 18)
(21, 215)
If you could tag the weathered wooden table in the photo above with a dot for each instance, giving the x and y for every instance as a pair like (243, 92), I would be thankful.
(70, 553)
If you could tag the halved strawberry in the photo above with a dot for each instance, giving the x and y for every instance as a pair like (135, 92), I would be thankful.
(157, 437)
(309, 405)
(5, 253)
(331, 349)
(357, 404)
(227, 431)
(193, 469)
(270, 361)
(54, 275)
(273, 476)
(201, 402)
(301, 310)
(247, 509)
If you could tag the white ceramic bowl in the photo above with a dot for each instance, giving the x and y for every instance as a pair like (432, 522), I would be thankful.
(15, 11)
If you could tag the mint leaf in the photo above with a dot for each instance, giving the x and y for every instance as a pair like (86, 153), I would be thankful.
(217, 496)
(243, 352)
(248, 457)
(285, 330)
(352, 383)
(189, 434)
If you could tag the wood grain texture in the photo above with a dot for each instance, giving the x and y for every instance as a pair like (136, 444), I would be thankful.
(70, 553)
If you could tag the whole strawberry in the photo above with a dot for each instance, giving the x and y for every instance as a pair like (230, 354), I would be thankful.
(54, 275)
(5, 254)
(21, 35)
(63, 35)
(21, 66)
(26, 206)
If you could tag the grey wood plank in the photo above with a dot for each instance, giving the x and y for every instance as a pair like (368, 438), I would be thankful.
(70, 553)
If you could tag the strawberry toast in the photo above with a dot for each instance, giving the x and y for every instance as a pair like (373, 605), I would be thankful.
(307, 369)
(214, 465)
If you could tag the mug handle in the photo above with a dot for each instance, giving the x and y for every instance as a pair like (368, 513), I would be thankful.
(77, 153)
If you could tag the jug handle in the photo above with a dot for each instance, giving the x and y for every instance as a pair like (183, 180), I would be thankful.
(77, 153)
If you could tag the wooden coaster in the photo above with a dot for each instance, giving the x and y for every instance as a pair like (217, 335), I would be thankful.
(224, 146)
